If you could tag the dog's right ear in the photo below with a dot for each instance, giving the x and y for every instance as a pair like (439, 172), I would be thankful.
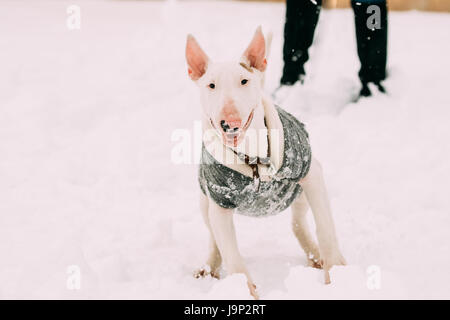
(196, 58)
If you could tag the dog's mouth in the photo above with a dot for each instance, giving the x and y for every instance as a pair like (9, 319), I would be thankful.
(232, 137)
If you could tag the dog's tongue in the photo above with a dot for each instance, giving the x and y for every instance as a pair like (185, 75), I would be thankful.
(231, 138)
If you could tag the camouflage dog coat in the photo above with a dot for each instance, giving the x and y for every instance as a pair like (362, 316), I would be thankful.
(233, 190)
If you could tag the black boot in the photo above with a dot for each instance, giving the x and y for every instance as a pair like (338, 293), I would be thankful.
(380, 87)
(301, 21)
(371, 42)
(365, 91)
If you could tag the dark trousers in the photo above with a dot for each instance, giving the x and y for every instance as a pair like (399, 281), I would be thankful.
(301, 21)
(371, 42)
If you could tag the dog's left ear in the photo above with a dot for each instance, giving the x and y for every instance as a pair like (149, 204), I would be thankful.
(255, 55)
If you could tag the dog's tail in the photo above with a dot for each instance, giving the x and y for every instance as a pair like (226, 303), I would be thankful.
(268, 39)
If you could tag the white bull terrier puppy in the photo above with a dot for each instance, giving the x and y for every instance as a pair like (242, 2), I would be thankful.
(256, 162)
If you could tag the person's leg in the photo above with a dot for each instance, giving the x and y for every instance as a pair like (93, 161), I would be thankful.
(378, 55)
(301, 21)
(361, 41)
(371, 43)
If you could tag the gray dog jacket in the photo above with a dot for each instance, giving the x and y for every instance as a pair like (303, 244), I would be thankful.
(233, 190)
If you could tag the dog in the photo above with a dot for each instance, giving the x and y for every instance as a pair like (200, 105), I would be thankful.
(254, 174)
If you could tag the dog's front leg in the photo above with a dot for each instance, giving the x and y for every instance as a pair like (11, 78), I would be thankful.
(214, 259)
(316, 193)
(221, 221)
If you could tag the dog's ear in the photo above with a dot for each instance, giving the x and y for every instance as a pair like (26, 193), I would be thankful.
(255, 55)
(196, 58)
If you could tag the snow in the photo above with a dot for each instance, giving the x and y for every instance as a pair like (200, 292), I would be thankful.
(86, 118)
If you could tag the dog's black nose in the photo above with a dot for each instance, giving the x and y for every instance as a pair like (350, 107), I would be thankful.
(226, 127)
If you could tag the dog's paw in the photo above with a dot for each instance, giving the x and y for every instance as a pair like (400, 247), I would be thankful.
(200, 273)
(330, 259)
(205, 272)
(314, 259)
(253, 291)
(315, 263)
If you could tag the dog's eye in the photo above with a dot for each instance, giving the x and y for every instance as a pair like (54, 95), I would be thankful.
(212, 85)
(244, 81)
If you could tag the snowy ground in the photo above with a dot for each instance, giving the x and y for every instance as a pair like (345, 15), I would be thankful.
(86, 176)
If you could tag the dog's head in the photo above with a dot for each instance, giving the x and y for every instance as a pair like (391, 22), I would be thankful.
(231, 91)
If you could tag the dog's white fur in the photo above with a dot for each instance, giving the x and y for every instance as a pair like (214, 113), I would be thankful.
(229, 90)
